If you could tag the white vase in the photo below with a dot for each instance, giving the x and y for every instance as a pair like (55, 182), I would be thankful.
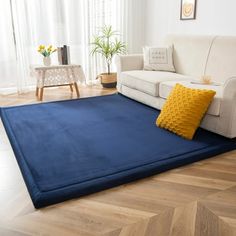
(47, 61)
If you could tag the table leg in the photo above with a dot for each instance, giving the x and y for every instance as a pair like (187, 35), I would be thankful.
(41, 94)
(76, 89)
(41, 90)
(37, 92)
(71, 88)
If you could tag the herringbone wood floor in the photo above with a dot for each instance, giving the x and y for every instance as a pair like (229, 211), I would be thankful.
(198, 199)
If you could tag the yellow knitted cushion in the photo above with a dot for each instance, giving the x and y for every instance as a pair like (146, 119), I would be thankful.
(184, 109)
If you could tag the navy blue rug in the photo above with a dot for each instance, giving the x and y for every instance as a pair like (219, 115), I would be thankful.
(72, 148)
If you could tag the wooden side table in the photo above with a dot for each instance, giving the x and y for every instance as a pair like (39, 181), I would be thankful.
(54, 76)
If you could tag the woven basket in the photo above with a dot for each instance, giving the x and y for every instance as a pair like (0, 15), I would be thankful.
(108, 80)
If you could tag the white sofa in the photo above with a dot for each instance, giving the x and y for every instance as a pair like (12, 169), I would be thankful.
(193, 57)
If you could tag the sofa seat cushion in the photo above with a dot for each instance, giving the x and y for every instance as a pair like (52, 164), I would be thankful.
(148, 81)
(214, 109)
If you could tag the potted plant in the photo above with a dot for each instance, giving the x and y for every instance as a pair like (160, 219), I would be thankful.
(107, 44)
(46, 52)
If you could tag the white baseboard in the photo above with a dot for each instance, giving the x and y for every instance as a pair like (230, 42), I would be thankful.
(11, 90)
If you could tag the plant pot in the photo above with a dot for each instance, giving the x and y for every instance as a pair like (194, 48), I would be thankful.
(47, 61)
(108, 80)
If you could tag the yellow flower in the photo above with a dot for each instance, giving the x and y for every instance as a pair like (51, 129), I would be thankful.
(42, 47)
(46, 50)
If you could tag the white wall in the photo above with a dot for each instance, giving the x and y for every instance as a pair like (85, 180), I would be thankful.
(213, 17)
(157, 18)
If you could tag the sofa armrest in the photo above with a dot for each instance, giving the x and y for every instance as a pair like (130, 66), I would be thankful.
(129, 62)
(228, 106)
(229, 87)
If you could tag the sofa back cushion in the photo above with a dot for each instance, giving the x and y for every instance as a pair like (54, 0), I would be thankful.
(190, 53)
(221, 64)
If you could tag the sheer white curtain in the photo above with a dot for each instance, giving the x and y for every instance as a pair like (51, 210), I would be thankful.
(25, 24)
(8, 64)
(55, 22)
(97, 14)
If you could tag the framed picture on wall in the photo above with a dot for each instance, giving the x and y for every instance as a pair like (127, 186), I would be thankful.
(188, 9)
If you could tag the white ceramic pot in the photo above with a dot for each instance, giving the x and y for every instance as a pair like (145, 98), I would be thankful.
(47, 61)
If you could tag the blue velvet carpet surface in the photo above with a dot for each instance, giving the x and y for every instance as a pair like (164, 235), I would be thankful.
(72, 148)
